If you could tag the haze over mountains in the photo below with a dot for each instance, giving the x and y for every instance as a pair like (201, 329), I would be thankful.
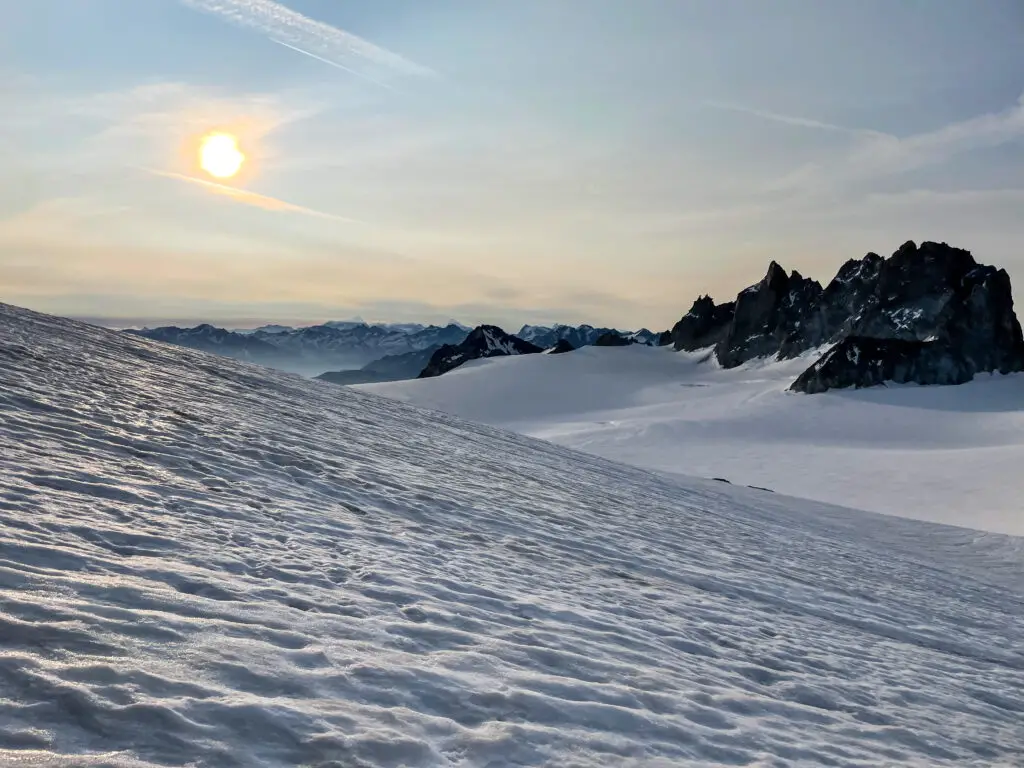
(314, 349)
(342, 348)
(929, 314)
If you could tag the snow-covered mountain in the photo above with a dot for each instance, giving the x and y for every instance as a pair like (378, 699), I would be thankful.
(484, 341)
(313, 349)
(946, 454)
(207, 563)
(546, 336)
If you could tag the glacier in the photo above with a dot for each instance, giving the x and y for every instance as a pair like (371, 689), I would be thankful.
(207, 563)
(944, 454)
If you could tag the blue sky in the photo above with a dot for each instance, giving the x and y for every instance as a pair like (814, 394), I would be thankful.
(493, 160)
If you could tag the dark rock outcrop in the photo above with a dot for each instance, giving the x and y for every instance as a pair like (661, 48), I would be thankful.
(862, 361)
(929, 314)
(766, 315)
(850, 294)
(937, 317)
(561, 347)
(705, 325)
(613, 339)
(483, 341)
(664, 339)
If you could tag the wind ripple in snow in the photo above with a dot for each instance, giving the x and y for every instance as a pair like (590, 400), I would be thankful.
(202, 562)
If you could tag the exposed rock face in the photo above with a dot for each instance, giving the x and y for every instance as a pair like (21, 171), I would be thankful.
(965, 325)
(483, 341)
(613, 339)
(703, 326)
(561, 347)
(847, 297)
(862, 361)
(664, 339)
(766, 315)
(928, 314)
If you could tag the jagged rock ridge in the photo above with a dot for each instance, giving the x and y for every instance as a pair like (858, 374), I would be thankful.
(483, 341)
(928, 314)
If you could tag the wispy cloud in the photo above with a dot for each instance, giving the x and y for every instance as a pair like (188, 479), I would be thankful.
(310, 37)
(793, 120)
(880, 155)
(254, 199)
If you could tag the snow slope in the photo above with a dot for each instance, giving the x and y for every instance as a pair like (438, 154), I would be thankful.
(206, 563)
(945, 454)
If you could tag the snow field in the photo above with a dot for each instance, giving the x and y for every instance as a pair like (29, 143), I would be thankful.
(202, 562)
(944, 454)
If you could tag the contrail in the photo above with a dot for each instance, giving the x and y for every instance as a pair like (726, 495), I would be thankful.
(308, 36)
(265, 202)
(332, 63)
(801, 122)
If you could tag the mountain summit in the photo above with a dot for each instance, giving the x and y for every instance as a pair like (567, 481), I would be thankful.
(928, 314)
(483, 341)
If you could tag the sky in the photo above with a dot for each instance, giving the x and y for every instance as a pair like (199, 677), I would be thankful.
(503, 161)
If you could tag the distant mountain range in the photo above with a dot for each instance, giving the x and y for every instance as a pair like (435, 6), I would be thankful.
(547, 336)
(314, 349)
(356, 352)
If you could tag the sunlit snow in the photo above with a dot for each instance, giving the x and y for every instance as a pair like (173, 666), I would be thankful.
(203, 562)
(944, 454)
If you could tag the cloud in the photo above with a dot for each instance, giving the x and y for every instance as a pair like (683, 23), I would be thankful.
(254, 199)
(881, 155)
(313, 38)
(799, 122)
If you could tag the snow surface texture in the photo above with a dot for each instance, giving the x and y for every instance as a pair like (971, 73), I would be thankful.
(205, 563)
(944, 454)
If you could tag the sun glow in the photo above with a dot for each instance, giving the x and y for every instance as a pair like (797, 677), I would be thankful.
(220, 156)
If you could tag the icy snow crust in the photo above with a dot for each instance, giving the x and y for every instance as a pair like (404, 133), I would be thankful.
(203, 562)
(949, 455)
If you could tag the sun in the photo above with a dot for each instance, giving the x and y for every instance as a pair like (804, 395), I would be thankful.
(220, 156)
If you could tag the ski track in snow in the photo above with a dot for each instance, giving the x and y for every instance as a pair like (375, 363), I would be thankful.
(948, 455)
(203, 562)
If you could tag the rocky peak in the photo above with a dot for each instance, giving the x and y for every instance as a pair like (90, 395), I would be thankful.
(775, 279)
(766, 315)
(482, 342)
(914, 272)
(703, 326)
(929, 313)
(704, 306)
